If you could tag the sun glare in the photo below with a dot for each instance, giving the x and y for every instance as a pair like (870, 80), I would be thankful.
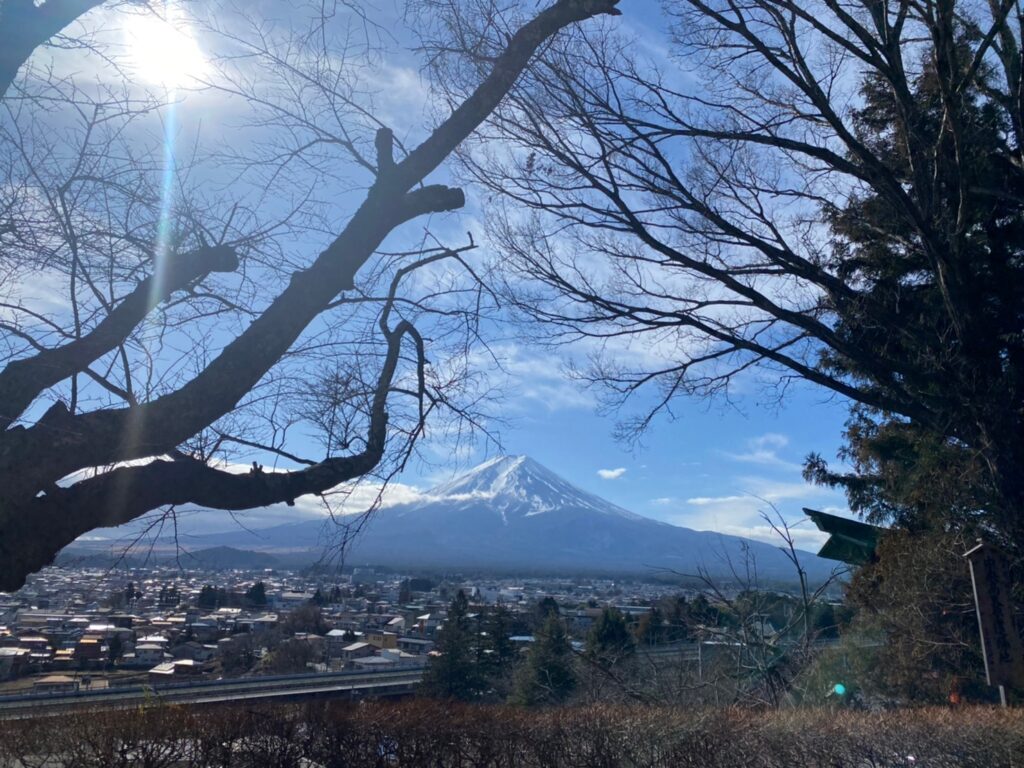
(163, 51)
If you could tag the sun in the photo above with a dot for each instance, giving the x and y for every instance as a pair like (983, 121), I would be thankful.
(163, 51)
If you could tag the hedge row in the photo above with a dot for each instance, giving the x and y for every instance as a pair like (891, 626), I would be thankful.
(423, 733)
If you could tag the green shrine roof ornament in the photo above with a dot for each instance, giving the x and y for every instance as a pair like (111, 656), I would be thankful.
(851, 541)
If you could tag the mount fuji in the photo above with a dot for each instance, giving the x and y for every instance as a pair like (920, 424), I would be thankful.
(512, 515)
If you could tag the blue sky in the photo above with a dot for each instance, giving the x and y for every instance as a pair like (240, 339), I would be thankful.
(714, 466)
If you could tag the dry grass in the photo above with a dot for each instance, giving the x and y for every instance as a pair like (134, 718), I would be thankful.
(421, 733)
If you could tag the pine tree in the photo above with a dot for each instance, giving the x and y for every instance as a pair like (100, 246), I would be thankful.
(115, 648)
(499, 654)
(257, 594)
(609, 640)
(547, 676)
(545, 608)
(454, 672)
(207, 597)
(651, 629)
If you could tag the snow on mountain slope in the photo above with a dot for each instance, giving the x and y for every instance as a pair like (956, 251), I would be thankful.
(511, 514)
(517, 486)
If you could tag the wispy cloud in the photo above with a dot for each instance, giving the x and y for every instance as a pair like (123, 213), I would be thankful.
(704, 501)
(346, 499)
(535, 380)
(611, 474)
(763, 450)
(740, 513)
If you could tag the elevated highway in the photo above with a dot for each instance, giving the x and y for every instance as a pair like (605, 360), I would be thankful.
(397, 682)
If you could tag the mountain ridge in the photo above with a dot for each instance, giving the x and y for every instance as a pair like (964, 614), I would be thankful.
(512, 513)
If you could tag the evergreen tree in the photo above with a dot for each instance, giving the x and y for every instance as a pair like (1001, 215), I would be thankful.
(547, 675)
(609, 640)
(115, 648)
(499, 654)
(256, 595)
(544, 609)
(652, 628)
(678, 620)
(207, 597)
(498, 627)
(454, 673)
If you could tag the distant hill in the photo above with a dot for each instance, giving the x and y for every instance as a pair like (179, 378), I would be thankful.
(104, 555)
(512, 515)
(228, 558)
(79, 557)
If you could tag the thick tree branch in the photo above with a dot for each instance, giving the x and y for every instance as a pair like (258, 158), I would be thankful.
(26, 25)
(125, 493)
(24, 380)
(61, 443)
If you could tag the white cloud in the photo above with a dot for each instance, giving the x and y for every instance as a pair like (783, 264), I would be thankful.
(704, 501)
(740, 513)
(764, 451)
(346, 499)
(533, 380)
(611, 474)
(805, 537)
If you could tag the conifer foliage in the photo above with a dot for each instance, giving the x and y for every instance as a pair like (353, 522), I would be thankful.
(547, 676)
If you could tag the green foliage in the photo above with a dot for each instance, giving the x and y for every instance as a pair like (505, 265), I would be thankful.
(547, 676)
(208, 597)
(651, 629)
(545, 608)
(256, 595)
(940, 482)
(918, 597)
(115, 648)
(609, 640)
(958, 342)
(497, 627)
(455, 672)
(421, 584)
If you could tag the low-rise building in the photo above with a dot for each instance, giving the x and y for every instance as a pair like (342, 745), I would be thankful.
(415, 645)
(56, 684)
(357, 651)
(382, 639)
(175, 671)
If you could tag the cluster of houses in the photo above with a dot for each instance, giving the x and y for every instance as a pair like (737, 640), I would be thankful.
(63, 636)
(66, 650)
(71, 629)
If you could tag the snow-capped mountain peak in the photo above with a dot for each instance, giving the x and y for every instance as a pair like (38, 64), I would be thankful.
(512, 515)
(487, 479)
(522, 487)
